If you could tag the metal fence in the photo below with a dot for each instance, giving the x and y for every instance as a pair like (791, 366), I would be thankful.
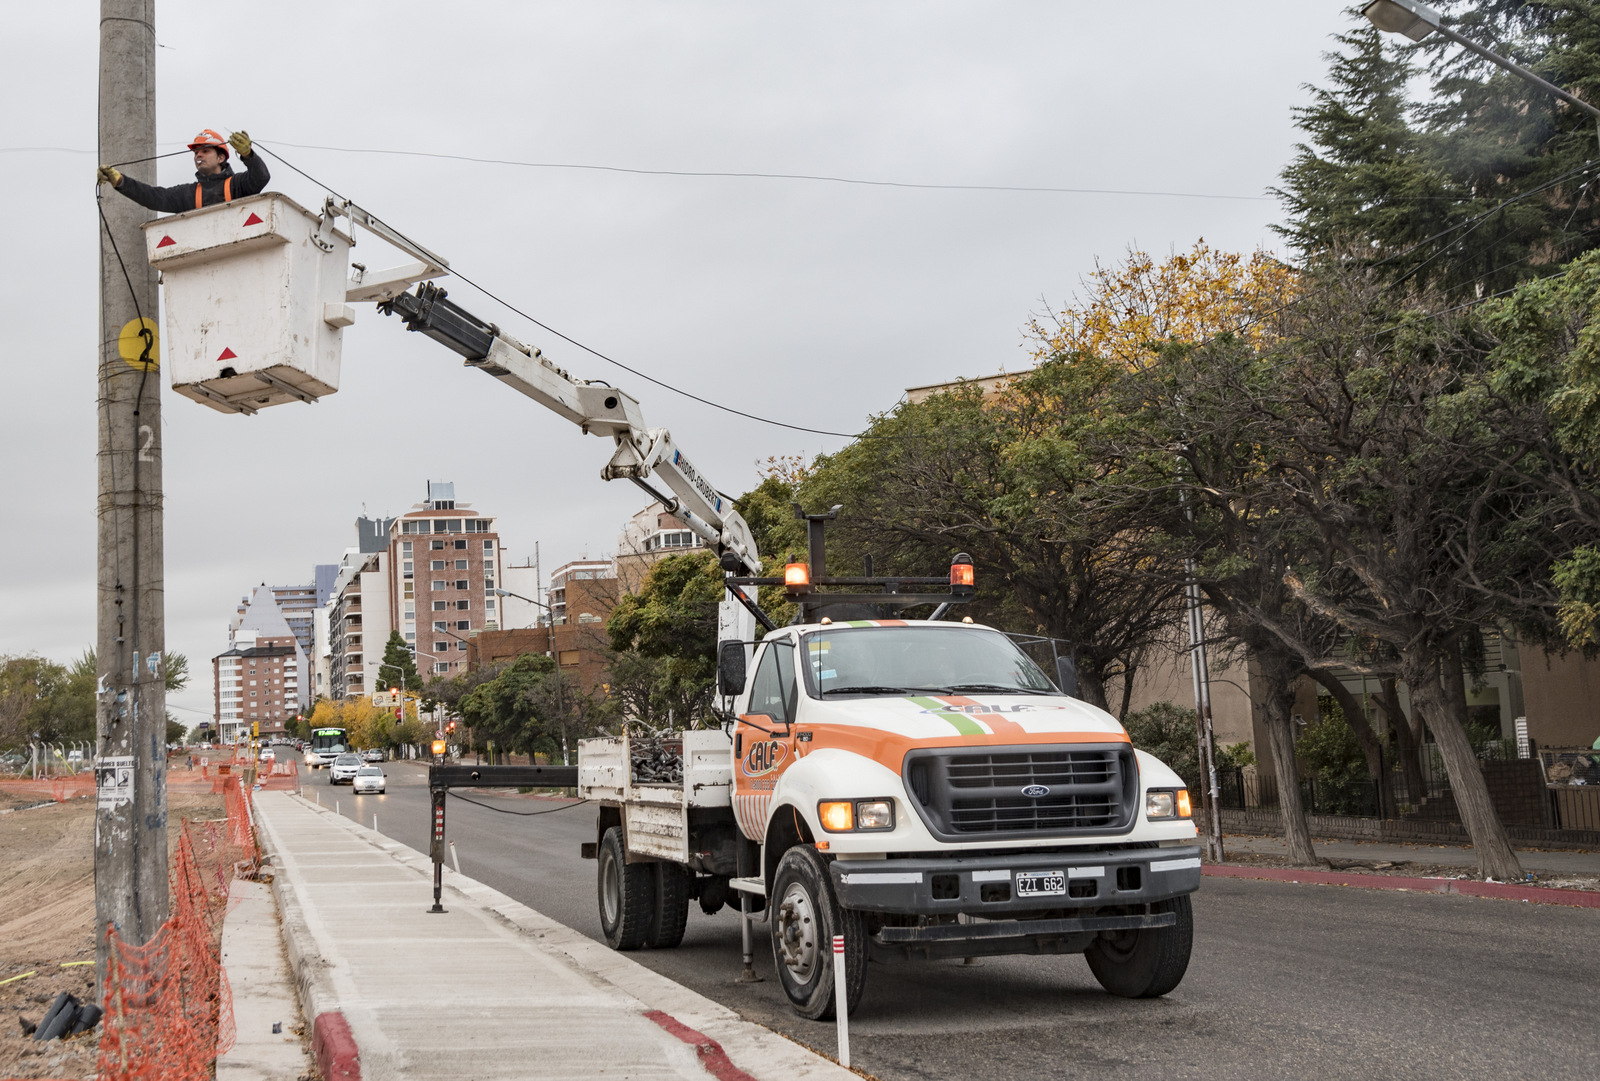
(1572, 789)
(39, 761)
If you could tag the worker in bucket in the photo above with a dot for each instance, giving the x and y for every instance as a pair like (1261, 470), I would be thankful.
(214, 181)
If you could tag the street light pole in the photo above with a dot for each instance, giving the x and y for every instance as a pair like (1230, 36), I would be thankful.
(1416, 21)
(561, 698)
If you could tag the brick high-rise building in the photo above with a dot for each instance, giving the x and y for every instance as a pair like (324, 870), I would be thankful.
(261, 677)
(444, 564)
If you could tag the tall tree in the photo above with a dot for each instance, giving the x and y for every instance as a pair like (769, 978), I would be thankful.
(1388, 439)
(398, 662)
(1486, 182)
(664, 642)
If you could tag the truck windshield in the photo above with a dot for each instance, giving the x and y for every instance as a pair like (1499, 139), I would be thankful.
(918, 660)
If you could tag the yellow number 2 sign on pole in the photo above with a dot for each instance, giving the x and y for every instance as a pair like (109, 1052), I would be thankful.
(139, 343)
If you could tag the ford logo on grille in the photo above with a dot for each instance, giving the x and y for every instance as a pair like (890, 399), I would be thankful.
(1035, 791)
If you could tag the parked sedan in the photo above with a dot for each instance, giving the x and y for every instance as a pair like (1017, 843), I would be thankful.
(370, 779)
(344, 769)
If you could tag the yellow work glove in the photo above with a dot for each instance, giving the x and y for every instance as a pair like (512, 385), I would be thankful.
(240, 142)
(107, 174)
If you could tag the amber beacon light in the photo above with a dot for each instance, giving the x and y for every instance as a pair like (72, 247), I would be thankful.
(961, 577)
(797, 578)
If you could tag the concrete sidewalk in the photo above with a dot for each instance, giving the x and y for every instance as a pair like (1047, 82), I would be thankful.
(263, 992)
(1552, 862)
(491, 988)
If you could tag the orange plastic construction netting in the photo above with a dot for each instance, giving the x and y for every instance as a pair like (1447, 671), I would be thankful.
(168, 1009)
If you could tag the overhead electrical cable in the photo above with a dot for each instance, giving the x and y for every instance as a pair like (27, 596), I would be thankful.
(580, 345)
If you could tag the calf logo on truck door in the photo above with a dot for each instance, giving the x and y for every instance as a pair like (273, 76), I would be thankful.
(762, 761)
(764, 757)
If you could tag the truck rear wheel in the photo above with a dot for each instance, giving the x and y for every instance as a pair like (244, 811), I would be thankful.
(1146, 963)
(805, 915)
(627, 894)
(670, 914)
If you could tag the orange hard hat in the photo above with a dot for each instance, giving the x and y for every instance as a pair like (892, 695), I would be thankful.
(211, 139)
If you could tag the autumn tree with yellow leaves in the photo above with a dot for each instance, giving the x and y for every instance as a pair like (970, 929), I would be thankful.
(1129, 309)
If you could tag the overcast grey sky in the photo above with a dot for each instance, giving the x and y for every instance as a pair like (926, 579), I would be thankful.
(813, 302)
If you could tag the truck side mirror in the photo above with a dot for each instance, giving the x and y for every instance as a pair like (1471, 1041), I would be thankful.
(1067, 676)
(730, 668)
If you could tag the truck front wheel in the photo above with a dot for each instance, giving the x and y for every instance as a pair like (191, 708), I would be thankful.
(805, 915)
(1146, 963)
(627, 894)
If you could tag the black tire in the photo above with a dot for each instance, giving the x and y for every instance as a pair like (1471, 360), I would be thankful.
(670, 914)
(804, 918)
(1147, 963)
(626, 894)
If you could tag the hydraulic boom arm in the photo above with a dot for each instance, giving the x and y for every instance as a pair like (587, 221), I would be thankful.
(594, 406)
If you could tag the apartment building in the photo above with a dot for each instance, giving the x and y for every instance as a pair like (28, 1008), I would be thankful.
(358, 613)
(259, 678)
(443, 567)
(650, 535)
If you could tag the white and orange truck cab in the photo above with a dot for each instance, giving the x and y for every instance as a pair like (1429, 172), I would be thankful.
(921, 787)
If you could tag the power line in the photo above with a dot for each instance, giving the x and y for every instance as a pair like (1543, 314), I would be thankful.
(586, 348)
(712, 173)
(754, 175)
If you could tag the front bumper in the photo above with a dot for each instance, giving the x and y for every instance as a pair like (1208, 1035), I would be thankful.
(988, 885)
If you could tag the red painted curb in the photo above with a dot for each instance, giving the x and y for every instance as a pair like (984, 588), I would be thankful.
(1464, 887)
(334, 1048)
(712, 1056)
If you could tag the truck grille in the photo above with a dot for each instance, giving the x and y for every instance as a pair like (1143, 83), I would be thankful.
(966, 795)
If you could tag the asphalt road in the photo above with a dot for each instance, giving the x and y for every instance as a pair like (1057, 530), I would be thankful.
(1285, 981)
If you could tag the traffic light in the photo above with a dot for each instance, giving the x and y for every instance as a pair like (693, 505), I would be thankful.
(451, 727)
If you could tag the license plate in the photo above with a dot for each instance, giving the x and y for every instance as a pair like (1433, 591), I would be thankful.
(1041, 883)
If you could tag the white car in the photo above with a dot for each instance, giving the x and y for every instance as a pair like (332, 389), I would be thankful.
(370, 779)
(268, 755)
(372, 754)
(344, 769)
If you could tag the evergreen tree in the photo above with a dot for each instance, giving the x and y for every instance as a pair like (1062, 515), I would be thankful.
(398, 659)
(1363, 182)
(1486, 182)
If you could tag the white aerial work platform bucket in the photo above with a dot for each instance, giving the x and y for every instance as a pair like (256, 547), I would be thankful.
(255, 301)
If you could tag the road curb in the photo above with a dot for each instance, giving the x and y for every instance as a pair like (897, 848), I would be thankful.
(333, 1046)
(721, 1037)
(1463, 887)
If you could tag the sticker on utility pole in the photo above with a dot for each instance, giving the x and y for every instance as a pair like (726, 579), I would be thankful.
(139, 343)
(113, 781)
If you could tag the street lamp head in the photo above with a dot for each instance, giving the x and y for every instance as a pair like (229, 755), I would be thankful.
(1416, 21)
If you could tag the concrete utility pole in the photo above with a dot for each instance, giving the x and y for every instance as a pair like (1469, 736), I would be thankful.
(130, 847)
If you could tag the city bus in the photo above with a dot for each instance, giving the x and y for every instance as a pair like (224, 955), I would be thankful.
(326, 745)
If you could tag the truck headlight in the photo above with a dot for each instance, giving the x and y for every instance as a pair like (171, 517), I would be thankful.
(1168, 803)
(875, 814)
(846, 816)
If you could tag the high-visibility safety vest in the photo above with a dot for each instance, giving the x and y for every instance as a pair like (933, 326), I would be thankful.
(227, 192)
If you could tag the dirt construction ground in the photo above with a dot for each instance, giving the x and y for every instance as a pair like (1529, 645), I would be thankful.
(47, 914)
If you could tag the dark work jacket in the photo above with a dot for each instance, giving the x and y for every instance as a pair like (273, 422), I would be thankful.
(180, 197)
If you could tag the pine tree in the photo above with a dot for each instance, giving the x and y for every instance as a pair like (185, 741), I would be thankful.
(1364, 183)
(398, 659)
(1507, 173)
